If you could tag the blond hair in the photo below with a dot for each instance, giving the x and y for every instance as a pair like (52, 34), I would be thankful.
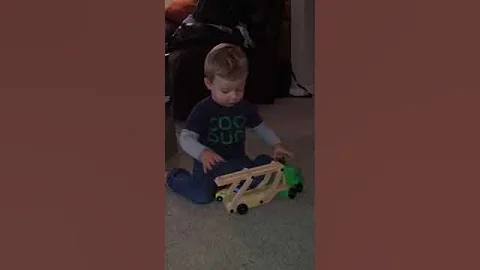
(227, 61)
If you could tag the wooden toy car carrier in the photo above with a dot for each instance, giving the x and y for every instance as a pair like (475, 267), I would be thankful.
(279, 179)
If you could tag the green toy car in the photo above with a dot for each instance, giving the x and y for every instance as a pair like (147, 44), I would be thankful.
(294, 179)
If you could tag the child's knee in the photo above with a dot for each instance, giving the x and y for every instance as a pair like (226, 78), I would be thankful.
(263, 160)
(222, 168)
(256, 181)
(216, 167)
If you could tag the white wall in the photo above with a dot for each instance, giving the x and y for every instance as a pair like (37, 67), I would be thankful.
(303, 41)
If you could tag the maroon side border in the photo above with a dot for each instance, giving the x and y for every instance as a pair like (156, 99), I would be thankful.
(397, 141)
(82, 132)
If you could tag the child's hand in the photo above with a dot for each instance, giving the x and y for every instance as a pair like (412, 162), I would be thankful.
(279, 151)
(209, 159)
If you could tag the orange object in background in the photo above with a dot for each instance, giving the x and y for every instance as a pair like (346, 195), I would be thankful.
(178, 10)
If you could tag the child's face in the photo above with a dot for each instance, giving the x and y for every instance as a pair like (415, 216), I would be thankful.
(225, 92)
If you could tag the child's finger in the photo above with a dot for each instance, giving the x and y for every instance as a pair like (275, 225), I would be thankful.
(286, 153)
(205, 168)
(216, 157)
(212, 163)
(208, 167)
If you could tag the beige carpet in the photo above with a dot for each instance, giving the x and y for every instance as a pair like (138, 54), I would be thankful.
(276, 236)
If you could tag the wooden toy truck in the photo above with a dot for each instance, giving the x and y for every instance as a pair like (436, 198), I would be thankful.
(279, 179)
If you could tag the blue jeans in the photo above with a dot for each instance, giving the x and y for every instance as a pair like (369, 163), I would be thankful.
(200, 187)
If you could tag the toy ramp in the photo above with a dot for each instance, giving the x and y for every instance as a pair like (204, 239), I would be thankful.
(243, 199)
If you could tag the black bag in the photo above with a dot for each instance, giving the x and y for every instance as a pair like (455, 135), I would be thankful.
(223, 12)
(200, 34)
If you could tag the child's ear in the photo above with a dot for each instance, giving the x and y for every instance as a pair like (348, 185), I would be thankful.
(207, 82)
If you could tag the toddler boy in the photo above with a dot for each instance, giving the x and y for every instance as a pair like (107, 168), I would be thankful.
(215, 131)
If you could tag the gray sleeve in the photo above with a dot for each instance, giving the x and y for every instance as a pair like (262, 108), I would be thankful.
(188, 141)
(267, 135)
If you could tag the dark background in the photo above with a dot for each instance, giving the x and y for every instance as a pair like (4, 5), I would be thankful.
(81, 116)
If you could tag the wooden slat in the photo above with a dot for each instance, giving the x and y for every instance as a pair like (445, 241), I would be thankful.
(242, 175)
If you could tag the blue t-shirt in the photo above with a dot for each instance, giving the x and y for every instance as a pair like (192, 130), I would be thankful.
(223, 129)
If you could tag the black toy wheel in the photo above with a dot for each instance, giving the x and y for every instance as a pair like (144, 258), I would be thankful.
(219, 199)
(242, 209)
(299, 187)
(292, 193)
